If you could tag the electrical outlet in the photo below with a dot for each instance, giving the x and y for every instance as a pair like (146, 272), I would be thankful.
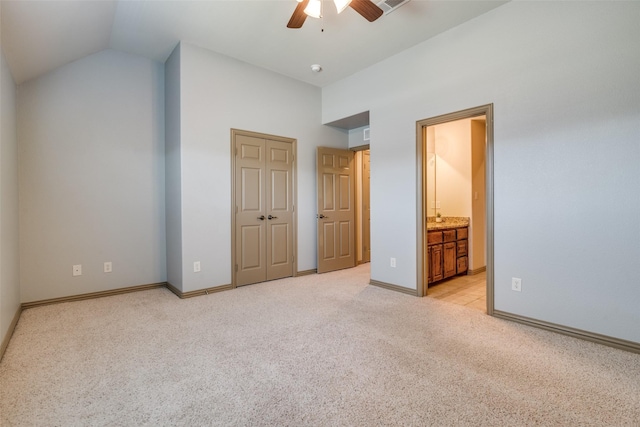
(196, 267)
(77, 270)
(516, 284)
(393, 262)
(108, 267)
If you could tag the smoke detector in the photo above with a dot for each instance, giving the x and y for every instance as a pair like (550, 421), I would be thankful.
(316, 68)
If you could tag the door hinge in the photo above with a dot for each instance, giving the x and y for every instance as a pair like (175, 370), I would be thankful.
(293, 157)
(236, 208)
(235, 151)
(293, 258)
(236, 268)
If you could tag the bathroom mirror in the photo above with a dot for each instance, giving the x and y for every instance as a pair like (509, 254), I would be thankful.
(450, 168)
(431, 171)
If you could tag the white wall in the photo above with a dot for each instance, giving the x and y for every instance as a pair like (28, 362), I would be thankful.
(9, 262)
(218, 93)
(92, 176)
(563, 78)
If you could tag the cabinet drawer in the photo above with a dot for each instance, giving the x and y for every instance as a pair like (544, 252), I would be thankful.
(462, 248)
(434, 237)
(449, 235)
(462, 265)
(462, 233)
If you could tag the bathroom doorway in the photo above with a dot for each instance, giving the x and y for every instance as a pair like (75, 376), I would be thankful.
(455, 188)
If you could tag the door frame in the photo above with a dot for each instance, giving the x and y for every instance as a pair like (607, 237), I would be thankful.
(294, 183)
(421, 246)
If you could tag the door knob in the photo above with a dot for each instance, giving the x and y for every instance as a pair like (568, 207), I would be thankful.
(272, 217)
(322, 216)
(261, 217)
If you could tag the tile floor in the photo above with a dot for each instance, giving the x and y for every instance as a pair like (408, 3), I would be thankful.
(462, 290)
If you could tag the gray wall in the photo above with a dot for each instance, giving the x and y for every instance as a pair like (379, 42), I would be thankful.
(9, 261)
(92, 176)
(356, 137)
(173, 169)
(563, 78)
(218, 93)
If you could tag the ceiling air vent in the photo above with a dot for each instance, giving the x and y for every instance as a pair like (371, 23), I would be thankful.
(389, 6)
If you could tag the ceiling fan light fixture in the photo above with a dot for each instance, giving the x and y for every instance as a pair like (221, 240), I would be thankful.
(341, 4)
(314, 9)
(366, 8)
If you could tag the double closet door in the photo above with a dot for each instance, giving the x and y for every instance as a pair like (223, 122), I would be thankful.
(264, 222)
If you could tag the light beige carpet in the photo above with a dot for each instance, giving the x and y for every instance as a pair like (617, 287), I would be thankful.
(321, 350)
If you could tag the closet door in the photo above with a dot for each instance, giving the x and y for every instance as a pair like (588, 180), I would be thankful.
(250, 233)
(279, 189)
(264, 209)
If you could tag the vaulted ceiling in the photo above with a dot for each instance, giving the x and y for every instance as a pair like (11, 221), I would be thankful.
(39, 36)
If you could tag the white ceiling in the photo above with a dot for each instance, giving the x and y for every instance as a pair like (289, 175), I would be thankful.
(39, 36)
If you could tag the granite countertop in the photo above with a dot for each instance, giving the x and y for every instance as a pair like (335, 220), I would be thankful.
(447, 222)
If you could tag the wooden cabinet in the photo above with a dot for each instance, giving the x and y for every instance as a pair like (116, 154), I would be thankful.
(447, 252)
(435, 263)
(462, 265)
(449, 259)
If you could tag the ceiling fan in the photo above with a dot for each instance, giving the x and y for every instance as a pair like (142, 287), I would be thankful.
(313, 8)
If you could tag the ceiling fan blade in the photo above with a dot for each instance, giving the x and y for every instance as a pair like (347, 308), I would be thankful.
(368, 10)
(298, 17)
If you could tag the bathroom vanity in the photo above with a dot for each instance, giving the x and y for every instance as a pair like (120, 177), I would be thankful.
(447, 248)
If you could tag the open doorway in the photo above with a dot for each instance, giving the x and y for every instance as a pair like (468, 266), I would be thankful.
(455, 216)
(363, 206)
(357, 127)
(343, 228)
